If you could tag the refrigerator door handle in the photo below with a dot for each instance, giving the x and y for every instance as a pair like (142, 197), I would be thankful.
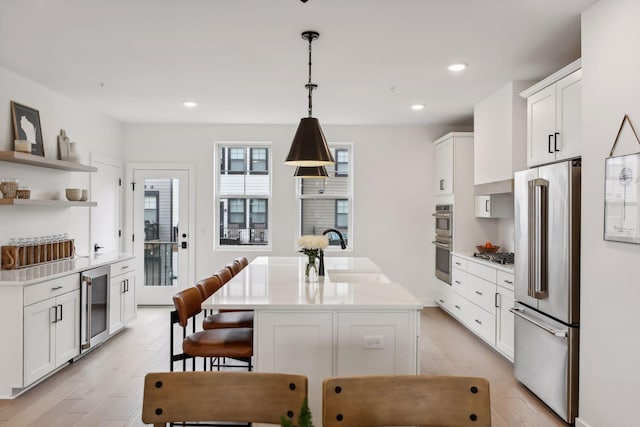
(538, 200)
(562, 333)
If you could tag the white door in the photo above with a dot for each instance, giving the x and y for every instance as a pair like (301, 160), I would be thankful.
(106, 186)
(162, 237)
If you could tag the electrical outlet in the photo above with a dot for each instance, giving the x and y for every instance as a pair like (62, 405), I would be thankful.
(373, 341)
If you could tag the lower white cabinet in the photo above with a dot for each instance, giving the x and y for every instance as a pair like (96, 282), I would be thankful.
(122, 295)
(480, 296)
(51, 327)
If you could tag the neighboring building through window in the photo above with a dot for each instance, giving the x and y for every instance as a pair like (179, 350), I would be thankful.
(243, 191)
(326, 203)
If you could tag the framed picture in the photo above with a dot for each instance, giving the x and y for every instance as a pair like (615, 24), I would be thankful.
(622, 198)
(26, 126)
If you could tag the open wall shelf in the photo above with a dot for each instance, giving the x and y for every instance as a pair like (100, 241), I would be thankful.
(51, 203)
(33, 160)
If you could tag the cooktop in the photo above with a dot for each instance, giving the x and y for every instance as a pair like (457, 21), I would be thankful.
(497, 257)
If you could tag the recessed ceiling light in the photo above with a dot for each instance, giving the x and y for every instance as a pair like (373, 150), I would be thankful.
(417, 107)
(189, 104)
(457, 67)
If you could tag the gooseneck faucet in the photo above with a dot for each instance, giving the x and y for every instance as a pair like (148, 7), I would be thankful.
(343, 245)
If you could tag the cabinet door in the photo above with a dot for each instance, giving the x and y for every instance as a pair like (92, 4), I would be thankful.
(67, 327)
(115, 303)
(444, 167)
(541, 126)
(569, 116)
(483, 206)
(504, 322)
(39, 340)
(129, 298)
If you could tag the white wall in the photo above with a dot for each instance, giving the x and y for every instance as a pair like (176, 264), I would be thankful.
(94, 132)
(610, 272)
(393, 198)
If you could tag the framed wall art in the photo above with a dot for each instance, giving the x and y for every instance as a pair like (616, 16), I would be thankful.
(26, 126)
(622, 194)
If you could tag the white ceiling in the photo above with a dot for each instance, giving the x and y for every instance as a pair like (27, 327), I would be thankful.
(244, 61)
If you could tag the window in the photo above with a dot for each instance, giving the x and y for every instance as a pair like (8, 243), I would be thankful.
(151, 217)
(242, 194)
(259, 161)
(326, 203)
(342, 162)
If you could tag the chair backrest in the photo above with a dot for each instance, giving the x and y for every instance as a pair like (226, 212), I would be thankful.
(209, 286)
(187, 303)
(222, 396)
(406, 400)
(224, 274)
(243, 261)
(234, 267)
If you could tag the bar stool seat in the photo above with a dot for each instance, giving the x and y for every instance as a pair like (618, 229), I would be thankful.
(233, 343)
(228, 319)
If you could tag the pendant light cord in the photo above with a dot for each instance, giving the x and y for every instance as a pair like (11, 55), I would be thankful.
(310, 86)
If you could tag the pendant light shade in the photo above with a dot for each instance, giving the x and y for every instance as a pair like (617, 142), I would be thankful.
(311, 172)
(309, 147)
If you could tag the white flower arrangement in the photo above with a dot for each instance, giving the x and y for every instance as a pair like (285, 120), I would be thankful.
(312, 245)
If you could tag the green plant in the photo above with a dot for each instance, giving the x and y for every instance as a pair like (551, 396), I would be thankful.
(304, 419)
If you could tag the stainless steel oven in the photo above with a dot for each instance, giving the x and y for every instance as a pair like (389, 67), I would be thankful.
(444, 220)
(444, 232)
(94, 307)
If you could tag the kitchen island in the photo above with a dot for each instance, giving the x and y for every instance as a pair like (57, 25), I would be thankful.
(354, 321)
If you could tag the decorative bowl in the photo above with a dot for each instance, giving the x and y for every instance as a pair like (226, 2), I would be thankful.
(485, 250)
(73, 194)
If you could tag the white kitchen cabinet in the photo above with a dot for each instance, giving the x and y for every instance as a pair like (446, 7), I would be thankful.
(443, 166)
(494, 206)
(554, 111)
(480, 298)
(51, 326)
(443, 294)
(500, 134)
(122, 295)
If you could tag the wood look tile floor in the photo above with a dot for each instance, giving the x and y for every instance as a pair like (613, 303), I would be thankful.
(104, 388)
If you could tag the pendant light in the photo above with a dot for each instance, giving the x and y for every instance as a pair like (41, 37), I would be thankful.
(311, 172)
(309, 146)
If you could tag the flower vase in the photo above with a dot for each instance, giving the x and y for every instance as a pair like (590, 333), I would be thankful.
(311, 271)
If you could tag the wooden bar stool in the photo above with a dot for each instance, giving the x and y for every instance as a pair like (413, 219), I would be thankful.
(226, 319)
(243, 261)
(214, 344)
(234, 267)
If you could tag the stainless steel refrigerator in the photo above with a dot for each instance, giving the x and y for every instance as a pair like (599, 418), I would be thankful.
(547, 283)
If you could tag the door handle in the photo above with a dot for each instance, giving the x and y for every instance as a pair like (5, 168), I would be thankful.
(184, 245)
(562, 333)
(555, 141)
(538, 207)
(549, 144)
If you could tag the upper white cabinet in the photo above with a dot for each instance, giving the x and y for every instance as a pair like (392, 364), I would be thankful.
(494, 206)
(500, 134)
(443, 166)
(554, 124)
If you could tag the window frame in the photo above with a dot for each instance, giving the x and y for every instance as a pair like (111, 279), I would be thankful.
(337, 173)
(266, 161)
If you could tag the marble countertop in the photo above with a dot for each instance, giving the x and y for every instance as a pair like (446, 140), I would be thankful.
(468, 256)
(52, 270)
(276, 283)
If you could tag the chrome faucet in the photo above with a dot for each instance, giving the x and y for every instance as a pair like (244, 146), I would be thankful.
(343, 245)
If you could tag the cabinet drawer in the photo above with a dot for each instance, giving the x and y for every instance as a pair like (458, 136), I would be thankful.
(483, 271)
(458, 281)
(459, 263)
(482, 323)
(51, 288)
(481, 293)
(506, 280)
(443, 294)
(458, 306)
(122, 267)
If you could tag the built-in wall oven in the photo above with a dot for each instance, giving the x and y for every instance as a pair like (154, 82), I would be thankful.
(444, 232)
(94, 307)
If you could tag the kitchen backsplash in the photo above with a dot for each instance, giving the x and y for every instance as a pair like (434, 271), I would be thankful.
(506, 233)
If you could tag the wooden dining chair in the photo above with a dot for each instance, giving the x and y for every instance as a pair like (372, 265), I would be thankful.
(406, 400)
(242, 397)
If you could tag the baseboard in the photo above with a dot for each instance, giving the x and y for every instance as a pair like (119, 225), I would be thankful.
(580, 423)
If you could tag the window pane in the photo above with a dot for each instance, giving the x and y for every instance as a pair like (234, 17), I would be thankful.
(319, 215)
(259, 159)
(236, 159)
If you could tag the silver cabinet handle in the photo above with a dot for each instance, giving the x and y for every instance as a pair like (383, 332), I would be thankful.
(520, 313)
(538, 204)
(457, 281)
(508, 281)
(479, 293)
(457, 306)
(441, 301)
(55, 288)
(496, 301)
(441, 245)
(478, 322)
(53, 313)
(486, 205)
(458, 263)
(442, 184)
(124, 266)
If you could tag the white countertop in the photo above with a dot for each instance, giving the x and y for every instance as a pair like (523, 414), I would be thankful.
(504, 267)
(278, 283)
(52, 270)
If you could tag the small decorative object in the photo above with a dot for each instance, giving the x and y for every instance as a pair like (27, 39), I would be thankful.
(63, 145)
(622, 193)
(26, 126)
(74, 155)
(23, 193)
(85, 195)
(9, 187)
(304, 419)
(311, 246)
(487, 248)
(73, 194)
(27, 252)
(22, 145)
